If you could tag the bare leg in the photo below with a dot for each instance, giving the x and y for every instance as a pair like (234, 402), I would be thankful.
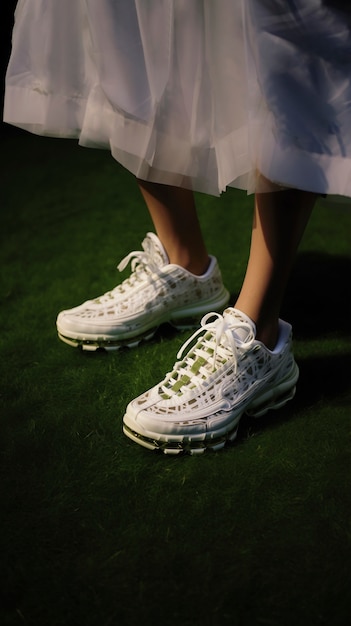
(280, 218)
(173, 213)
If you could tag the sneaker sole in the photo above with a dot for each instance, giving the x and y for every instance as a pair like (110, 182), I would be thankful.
(181, 320)
(273, 398)
(92, 345)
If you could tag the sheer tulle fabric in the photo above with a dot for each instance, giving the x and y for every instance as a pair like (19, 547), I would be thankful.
(197, 93)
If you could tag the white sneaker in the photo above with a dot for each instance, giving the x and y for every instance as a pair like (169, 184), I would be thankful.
(155, 292)
(225, 374)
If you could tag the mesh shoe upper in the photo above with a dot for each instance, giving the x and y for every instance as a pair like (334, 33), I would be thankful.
(155, 291)
(225, 373)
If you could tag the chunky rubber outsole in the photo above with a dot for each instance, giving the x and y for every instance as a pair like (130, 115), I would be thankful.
(101, 343)
(273, 398)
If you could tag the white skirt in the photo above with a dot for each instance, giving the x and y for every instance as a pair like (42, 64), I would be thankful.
(202, 94)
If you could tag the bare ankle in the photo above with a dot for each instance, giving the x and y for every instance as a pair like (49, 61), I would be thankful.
(196, 266)
(267, 334)
(267, 328)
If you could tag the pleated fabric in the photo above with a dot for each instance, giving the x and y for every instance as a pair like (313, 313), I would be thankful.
(202, 94)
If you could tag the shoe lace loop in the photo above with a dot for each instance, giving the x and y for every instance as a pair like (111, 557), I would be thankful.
(142, 265)
(138, 257)
(222, 330)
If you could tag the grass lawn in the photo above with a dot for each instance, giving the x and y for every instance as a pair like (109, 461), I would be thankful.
(97, 531)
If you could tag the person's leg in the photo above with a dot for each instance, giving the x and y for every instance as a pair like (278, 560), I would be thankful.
(173, 279)
(233, 368)
(173, 212)
(280, 218)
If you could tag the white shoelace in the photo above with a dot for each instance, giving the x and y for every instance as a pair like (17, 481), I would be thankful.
(142, 266)
(220, 340)
(138, 258)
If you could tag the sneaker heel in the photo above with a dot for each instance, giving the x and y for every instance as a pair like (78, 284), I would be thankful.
(274, 403)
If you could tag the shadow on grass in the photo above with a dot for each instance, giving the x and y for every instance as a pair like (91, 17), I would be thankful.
(324, 381)
(319, 295)
(318, 307)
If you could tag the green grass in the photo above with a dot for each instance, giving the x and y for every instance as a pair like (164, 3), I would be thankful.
(95, 530)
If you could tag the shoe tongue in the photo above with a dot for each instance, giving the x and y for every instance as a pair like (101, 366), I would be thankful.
(240, 318)
(154, 248)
